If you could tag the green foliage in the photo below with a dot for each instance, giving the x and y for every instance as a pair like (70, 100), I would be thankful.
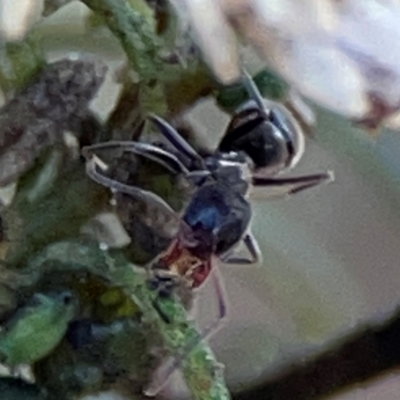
(47, 249)
(18, 63)
(200, 369)
(135, 33)
(268, 82)
(35, 330)
(53, 202)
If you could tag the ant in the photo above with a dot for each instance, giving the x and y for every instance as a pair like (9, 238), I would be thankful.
(261, 141)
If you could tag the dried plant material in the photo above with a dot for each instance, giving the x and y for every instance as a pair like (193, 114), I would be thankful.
(36, 117)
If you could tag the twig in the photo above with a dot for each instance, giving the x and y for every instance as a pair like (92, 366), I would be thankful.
(202, 373)
(135, 34)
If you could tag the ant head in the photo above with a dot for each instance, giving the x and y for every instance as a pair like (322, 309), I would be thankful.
(266, 132)
(215, 219)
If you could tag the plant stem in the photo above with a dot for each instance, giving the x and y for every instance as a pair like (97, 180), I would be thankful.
(202, 372)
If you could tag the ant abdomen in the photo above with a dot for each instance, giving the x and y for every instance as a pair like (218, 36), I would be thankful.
(270, 137)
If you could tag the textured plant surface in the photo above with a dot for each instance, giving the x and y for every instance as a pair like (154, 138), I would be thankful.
(75, 303)
(77, 313)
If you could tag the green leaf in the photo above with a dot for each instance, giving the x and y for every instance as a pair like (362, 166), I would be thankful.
(35, 330)
(52, 203)
(269, 84)
(19, 62)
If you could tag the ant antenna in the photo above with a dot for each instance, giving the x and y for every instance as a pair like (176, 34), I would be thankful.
(252, 90)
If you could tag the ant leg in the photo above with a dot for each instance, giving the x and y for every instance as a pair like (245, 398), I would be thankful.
(214, 327)
(142, 195)
(164, 285)
(174, 363)
(197, 177)
(168, 160)
(175, 139)
(295, 184)
(253, 249)
(149, 151)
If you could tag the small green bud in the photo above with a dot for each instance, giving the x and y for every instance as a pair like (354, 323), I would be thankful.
(35, 330)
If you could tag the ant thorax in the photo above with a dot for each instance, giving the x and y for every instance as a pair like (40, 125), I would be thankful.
(233, 169)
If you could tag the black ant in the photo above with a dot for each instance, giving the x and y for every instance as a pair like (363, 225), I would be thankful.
(261, 141)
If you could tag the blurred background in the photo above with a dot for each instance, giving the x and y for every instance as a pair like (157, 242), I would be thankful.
(330, 255)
